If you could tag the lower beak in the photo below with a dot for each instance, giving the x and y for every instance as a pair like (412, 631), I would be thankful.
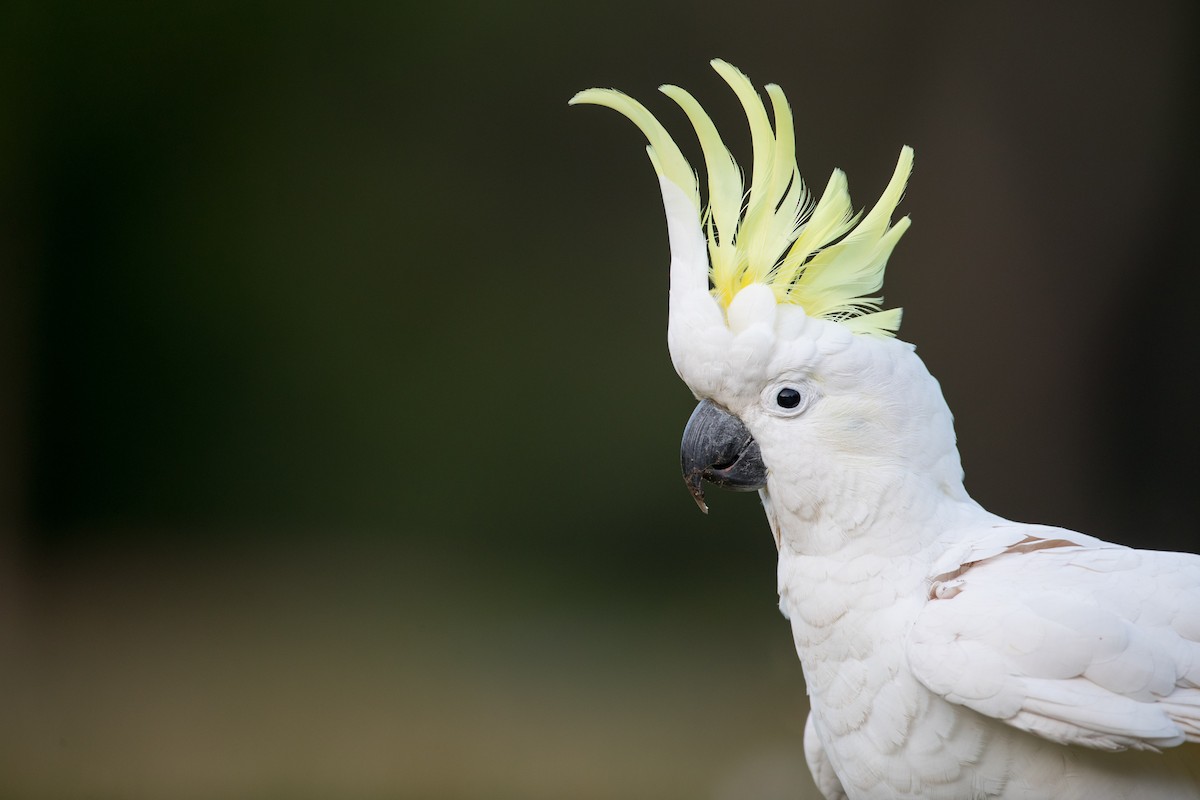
(717, 448)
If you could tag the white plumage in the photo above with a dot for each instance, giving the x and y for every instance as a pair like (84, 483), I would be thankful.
(948, 653)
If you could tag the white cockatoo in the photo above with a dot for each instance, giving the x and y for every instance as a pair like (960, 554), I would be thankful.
(947, 652)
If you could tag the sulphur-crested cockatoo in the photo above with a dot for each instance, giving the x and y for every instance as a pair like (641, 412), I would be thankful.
(947, 652)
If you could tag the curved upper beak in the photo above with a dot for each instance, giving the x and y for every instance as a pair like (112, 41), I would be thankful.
(717, 448)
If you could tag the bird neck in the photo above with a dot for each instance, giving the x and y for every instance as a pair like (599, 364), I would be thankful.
(844, 513)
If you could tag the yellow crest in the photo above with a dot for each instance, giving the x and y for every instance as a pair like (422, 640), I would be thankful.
(821, 256)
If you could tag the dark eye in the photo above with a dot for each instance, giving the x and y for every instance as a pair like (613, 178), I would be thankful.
(788, 398)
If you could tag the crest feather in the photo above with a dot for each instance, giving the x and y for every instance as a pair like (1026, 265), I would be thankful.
(664, 153)
(822, 257)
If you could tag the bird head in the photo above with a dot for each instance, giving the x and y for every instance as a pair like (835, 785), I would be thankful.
(775, 321)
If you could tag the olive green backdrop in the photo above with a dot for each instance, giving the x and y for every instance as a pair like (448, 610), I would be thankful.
(339, 432)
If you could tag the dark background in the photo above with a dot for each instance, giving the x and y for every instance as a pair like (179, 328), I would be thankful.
(338, 430)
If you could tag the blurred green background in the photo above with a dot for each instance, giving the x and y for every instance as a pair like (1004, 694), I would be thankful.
(339, 433)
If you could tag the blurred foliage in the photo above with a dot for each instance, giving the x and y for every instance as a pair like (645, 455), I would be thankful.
(339, 436)
(281, 279)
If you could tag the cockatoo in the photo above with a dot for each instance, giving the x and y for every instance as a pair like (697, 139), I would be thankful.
(947, 652)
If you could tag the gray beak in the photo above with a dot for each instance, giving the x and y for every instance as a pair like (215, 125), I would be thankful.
(717, 448)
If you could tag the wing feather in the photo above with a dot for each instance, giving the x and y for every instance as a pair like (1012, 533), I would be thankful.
(1067, 637)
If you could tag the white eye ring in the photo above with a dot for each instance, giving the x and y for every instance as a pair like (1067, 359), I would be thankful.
(786, 399)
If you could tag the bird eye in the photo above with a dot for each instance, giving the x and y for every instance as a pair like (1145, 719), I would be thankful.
(787, 398)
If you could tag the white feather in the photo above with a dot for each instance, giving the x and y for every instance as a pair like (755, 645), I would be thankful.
(948, 654)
